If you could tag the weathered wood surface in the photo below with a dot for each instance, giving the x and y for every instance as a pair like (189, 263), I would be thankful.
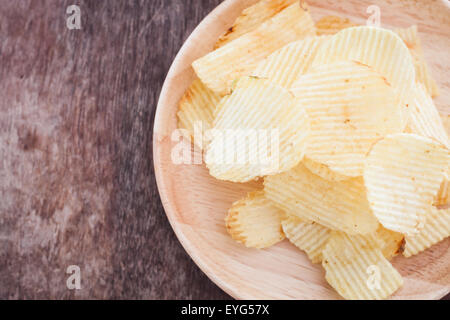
(76, 175)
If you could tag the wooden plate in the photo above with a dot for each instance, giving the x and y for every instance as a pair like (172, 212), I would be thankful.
(196, 204)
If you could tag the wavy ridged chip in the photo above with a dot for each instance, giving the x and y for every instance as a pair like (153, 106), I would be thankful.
(356, 268)
(221, 67)
(378, 48)
(255, 221)
(425, 119)
(423, 74)
(403, 175)
(252, 17)
(287, 64)
(196, 110)
(337, 205)
(258, 131)
(307, 236)
(350, 107)
(436, 229)
(330, 25)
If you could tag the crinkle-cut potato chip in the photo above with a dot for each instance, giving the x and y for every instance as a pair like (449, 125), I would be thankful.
(356, 268)
(258, 131)
(350, 106)
(253, 17)
(196, 109)
(219, 68)
(423, 74)
(255, 221)
(330, 25)
(392, 242)
(425, 119)
(310, 237)
(337, 205)
(287, 64)
(378, 48)
(323, 171)
(436, 229)
(402, 175)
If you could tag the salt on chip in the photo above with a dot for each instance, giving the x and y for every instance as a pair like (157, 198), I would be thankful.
(196, 110)
(350, 106)
(392, 242)
(337, 205)
(255, 221)
(323, 171)
(307, 236)
(378, 48)
(356, 268)
(252, 17)
(258, 131)
(330, 25)
(436, 229)
(423, 74)
(287, 64)
(402, 175)
(425, 119)
(221, 67)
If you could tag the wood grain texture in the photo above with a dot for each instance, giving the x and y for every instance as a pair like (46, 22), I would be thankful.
(196, 203)
(76, 173)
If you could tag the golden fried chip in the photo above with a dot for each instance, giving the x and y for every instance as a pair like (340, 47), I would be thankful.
(330, 25)
(337, 205)
(425, 119)
(392, 242)
(323, 171)
(423, 74)
(308, 236)
(196, 109)
(356, 268)
(255, 221)
(436, 229)
(252, 17)
(378, 48)
(258, 131)
(287, 64)
(350, 106)
(221, 67)
(402, 175)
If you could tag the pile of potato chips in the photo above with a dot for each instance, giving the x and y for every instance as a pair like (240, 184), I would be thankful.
(363, 159)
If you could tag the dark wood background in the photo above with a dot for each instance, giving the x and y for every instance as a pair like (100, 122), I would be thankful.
(76, 175)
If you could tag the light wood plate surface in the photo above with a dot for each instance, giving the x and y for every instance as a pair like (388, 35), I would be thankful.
(196, 203)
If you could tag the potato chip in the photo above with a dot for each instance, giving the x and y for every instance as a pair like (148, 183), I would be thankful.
(337, 205)
(258, 131)
(402, 175)
(425, 119)
(196, 109)
(423, 75)
(350, 107)
(330, 25)
(255, 221)
(287, 64)
(323, 171)
(221, 67)
(436, 229)
(356, 268)
(252, 17)
(307, 236)
(378, 48)
(392, 242)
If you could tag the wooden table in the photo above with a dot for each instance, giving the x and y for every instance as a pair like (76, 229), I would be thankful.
(77, 185)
